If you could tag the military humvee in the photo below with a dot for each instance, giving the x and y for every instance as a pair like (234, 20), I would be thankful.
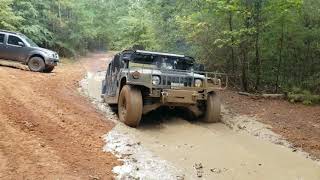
(138, 82)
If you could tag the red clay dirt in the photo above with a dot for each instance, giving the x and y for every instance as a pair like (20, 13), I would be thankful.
(298, 123)
(48, 130)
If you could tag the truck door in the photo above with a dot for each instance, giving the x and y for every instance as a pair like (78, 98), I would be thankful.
(15, 49)
(2, 46)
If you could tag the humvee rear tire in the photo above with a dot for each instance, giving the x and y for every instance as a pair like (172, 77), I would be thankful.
(130, 106)
(36, 64)
(213, 109)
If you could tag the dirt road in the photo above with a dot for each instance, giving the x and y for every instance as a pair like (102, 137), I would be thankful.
(48, 130)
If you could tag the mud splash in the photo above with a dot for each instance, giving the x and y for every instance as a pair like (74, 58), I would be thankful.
(138, 161)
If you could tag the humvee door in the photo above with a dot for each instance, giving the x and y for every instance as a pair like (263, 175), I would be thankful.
(112, 81)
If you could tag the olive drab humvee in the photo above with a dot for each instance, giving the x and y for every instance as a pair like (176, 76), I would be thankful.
(138, 82)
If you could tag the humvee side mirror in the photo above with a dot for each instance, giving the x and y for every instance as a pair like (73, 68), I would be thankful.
(126, 58)
(199, 67)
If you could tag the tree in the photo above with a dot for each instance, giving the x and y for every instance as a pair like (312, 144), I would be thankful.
(8, 19)
(263, 45)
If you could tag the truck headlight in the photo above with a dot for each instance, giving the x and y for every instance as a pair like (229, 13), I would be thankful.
(198, 83)
(155, 80)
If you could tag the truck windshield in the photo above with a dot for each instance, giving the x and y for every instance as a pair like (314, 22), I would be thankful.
(32, 44)
(165, 62)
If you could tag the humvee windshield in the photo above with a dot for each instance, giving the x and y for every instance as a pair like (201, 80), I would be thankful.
(165, 62)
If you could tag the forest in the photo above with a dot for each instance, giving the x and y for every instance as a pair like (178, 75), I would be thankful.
(263, 45)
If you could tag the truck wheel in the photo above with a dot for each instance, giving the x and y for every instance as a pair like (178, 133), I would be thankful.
(213, 109)
(36, 64)
(130, 106)
(48, 69)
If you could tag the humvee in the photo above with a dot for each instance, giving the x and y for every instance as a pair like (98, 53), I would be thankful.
(138, 82)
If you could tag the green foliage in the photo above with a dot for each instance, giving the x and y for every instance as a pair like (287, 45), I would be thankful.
(304, 96)
(67, 26)
(265, 45)
(8, 19)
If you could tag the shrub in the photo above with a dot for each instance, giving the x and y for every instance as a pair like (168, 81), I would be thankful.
(303, 96)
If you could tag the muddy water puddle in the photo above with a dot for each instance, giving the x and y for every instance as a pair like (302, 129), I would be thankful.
(216, 152)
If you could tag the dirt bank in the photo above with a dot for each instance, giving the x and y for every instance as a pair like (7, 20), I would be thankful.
(48, 130)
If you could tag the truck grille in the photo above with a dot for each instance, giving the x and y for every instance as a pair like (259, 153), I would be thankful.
(176, 81)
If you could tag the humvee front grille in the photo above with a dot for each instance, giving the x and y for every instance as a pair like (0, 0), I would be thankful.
(176, 81)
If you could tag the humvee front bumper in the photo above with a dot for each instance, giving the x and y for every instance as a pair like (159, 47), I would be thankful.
(173, 98)
(179, 96)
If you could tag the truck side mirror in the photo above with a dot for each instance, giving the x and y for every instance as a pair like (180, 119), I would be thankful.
(21, 44)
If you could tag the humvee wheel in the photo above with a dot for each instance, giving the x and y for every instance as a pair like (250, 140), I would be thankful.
(213, 109)
(130, 106)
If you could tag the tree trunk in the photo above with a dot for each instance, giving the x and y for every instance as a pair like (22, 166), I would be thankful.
(230, 19)
(59, 13)
(243, 62)
(280, 57)
(257, 47)
(258, 62)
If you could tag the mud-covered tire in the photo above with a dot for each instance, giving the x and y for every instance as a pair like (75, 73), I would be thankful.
(213, 109)
(130, 106)
(36, 64)
(113, 107)
(48, 69)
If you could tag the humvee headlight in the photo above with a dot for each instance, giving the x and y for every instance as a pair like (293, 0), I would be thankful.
(198, 83)
(136, 75)
(155, 80)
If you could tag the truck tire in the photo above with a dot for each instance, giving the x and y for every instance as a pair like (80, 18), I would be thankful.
(36, 64)
(48, 69)
(213, 109)
(130, 106)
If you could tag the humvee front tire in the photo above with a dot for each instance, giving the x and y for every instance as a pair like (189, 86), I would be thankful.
(213, 109)
(130, 106)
